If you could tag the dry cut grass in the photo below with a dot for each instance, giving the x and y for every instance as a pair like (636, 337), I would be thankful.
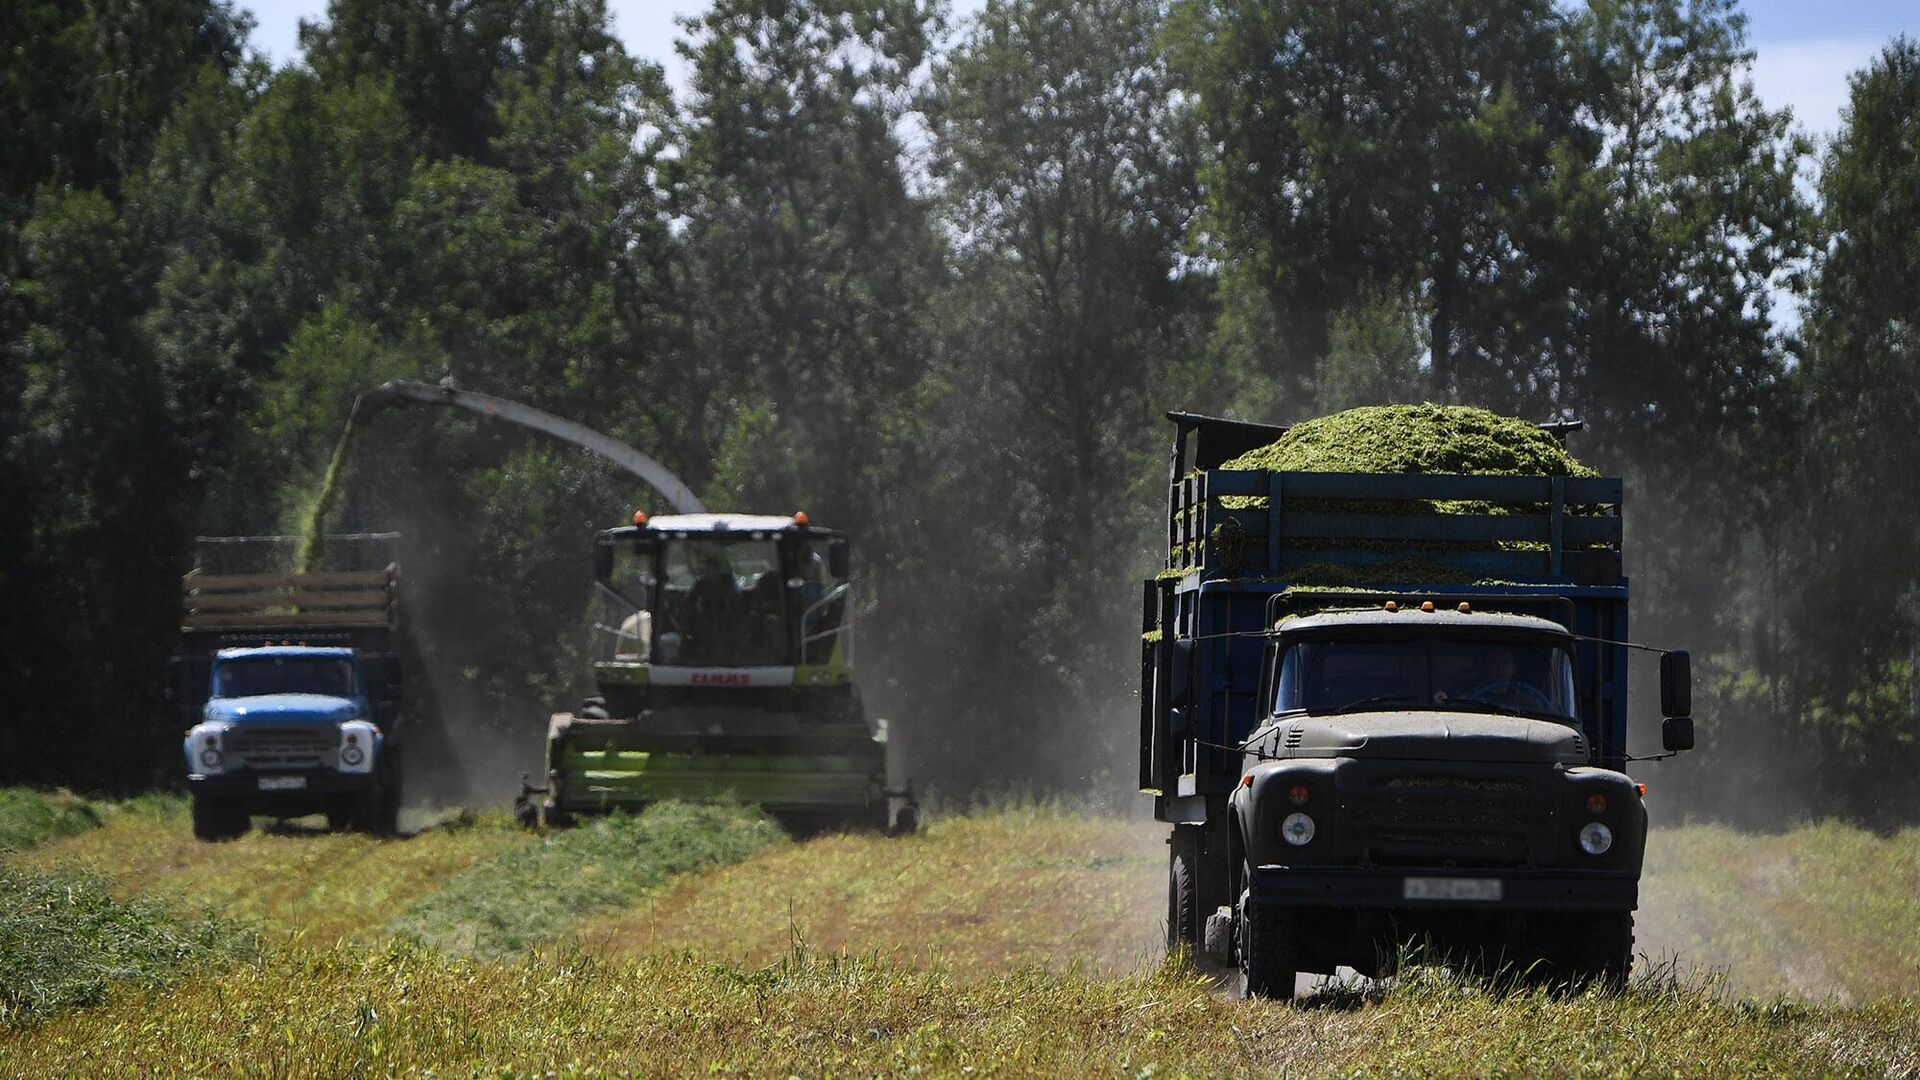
(325, 885)
(971, 896)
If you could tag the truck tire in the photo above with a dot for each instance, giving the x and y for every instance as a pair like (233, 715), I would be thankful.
(219, 818)
(1269, 947)
(1602, 952)
(376, 810)
(1185, 920)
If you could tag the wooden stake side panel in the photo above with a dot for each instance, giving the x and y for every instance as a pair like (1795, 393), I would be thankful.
(347, 598)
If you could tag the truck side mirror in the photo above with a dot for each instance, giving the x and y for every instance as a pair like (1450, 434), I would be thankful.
(837, 560)
(602, 559)
(1676, 685)
(1676, 733)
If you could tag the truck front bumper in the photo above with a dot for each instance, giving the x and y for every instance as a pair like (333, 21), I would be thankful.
(268, 785)
(1448, 887)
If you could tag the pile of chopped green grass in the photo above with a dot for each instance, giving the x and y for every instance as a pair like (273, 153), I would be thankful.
(1401, 439)
(66, 942)
(29, 817)
(536, 894)
(1442, 439)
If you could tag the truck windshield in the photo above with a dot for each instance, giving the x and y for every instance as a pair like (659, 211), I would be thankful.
(1494, 676)
(257, 675)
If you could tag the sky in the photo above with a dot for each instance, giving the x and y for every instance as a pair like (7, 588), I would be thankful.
(1803, 51)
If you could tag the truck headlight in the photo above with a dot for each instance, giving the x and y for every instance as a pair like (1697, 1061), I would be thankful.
(1297, 829)
(352, 755)
(210, 758)
(1596, 838)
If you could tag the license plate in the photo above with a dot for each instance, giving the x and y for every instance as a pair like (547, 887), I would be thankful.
(1452, 888)
(282, 783)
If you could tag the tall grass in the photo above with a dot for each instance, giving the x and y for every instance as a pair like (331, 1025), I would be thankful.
(65, 942)
(29, 817)
(326, 886)
(537, 893)
(343, 1012)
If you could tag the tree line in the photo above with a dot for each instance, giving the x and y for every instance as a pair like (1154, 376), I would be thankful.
(934, 280)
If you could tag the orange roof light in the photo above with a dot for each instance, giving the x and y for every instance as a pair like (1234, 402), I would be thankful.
(799, 517)
(639, 517)
(1466, 608)
(1642, 789)
(1393, 605)
(1426, 605)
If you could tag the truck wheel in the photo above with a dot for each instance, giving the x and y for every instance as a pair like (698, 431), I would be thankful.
(339, 817)
(1602, 951)
(1183, 892)
(1269, 947)
(218, 818)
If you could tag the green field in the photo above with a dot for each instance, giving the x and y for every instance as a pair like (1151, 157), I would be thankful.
(1017, 940)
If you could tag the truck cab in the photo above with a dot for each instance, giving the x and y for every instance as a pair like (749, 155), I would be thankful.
(1427, 771)
(286, 731)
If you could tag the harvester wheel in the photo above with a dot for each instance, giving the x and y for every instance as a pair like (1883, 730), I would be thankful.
(906, 821)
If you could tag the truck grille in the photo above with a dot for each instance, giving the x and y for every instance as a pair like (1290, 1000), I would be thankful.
(1454, 820)
(281, 747)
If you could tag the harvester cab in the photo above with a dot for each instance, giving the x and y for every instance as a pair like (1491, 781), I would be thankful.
(723, 668)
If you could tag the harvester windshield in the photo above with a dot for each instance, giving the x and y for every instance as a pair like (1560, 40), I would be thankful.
(717, 599)
(1499, 676)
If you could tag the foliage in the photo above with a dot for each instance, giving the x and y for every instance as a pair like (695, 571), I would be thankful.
(935, 289)
(29, 817)
(64, 943)
(534, 894)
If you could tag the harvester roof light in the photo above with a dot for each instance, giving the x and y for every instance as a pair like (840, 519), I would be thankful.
(639, 517)
(1393, 605)
(800, 517)
(1426, 605)
(1466, 608)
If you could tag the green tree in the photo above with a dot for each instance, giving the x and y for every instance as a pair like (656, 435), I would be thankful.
(1849, 656)
(807, 259)
(1066, 170)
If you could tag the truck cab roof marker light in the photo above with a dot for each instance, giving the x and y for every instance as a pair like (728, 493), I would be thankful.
(1466, 608)
(1391, 605)
(640, 518)
(1426, 605)
(800, 518)
(1641, 789)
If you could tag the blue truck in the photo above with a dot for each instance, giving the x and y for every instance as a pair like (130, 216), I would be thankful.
(290, 690)
(1382, 709)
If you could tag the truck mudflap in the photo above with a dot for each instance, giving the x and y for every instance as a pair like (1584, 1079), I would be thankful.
(1446, 887)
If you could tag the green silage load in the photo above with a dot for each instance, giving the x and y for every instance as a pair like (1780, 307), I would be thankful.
(1428, 439)
(1456, 439)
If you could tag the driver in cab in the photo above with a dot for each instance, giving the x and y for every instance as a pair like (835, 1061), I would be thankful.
(1495, 680)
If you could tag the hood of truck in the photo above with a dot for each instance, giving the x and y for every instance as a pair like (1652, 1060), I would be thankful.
(285, 709)
(1433, 736)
